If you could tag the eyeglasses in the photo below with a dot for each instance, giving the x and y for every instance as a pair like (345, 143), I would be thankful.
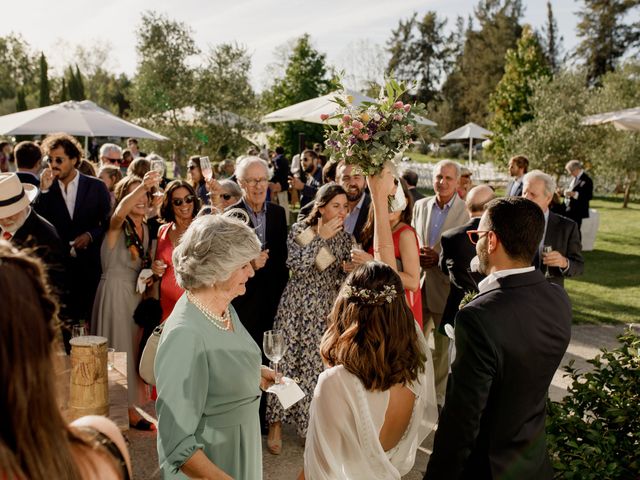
(226, 196)
(113, 160)
(176, 202)
(56, 160)
(253, 182)
(191, 167)
(474, 235)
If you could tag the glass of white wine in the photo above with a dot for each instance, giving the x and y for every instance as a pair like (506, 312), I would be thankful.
(157, 165)
(274, 347)
(547, 249)
(205, 168)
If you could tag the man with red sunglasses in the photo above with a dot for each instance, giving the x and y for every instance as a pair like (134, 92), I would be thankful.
(509, 342)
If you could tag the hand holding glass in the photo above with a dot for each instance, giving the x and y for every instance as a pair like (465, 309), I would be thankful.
(274, 347)
(546, 249)
(158, 166)
(205, 168)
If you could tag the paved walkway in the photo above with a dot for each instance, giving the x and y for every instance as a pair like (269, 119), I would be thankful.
(586, 342)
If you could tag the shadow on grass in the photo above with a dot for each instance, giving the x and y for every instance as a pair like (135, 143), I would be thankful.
(610, 269)
(592, 308)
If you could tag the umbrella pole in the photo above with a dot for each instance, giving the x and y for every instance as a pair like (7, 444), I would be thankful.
(86, 147)
(470, 149)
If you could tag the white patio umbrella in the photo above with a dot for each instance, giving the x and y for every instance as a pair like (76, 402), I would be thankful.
(469, 131)
(628, 119)
(310, 110)
(83, 118)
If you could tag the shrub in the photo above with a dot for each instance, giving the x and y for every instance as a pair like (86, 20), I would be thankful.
(594, 432)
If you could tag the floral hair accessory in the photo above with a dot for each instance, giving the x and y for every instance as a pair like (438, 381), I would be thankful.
(370, 297)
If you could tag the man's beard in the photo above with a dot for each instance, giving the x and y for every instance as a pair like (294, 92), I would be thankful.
(352, 197)
(483, 257)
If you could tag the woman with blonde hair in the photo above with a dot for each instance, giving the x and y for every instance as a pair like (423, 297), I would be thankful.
(35, 440)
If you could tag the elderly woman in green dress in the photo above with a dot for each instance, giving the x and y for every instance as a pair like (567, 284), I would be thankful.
(207, 366)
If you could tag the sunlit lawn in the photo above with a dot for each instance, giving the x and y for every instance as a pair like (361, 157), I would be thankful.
(609, 290)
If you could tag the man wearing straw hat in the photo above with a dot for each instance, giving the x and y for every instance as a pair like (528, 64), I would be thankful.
(23, 227)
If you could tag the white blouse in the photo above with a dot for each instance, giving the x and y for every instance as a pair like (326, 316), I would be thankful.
(345, 422)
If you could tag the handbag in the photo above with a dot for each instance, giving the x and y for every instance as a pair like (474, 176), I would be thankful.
(148, 357)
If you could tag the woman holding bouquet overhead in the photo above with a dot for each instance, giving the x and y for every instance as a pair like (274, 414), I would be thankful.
(317, 248)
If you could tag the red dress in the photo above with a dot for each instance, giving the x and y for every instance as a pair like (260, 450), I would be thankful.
(170, 292)
(414, 299)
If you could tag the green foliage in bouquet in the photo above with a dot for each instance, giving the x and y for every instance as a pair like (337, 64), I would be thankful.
(594, 432)
(373, 133)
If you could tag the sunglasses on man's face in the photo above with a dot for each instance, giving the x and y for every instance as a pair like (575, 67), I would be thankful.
(176, 202)
(113, 161)
(474, 235)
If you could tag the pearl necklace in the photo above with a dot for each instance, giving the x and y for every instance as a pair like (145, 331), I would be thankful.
(222, 322)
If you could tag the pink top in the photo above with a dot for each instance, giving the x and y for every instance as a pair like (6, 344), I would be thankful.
(170, 292)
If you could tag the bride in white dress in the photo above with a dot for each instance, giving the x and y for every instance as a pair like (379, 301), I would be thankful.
(375, 403)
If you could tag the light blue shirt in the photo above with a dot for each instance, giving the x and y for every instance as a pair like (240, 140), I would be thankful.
(351, 219)
(259, 221)
(438, 217)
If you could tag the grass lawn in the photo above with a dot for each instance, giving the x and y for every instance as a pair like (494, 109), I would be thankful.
(422, 158)
(609, 289)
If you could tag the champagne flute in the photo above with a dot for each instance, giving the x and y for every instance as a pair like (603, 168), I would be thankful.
(157, 165)
(274, 348)
(205, 168)
(547, 249)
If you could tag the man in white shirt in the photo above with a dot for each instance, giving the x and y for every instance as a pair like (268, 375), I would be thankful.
(518, 166)
(79, 207)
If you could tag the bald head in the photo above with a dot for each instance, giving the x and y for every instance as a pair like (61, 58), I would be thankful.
(477, 198)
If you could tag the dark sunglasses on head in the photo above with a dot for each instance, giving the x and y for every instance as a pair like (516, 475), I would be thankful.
(474, 235)
(176, 202)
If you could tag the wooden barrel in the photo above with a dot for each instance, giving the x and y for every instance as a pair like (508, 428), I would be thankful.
(89, 389)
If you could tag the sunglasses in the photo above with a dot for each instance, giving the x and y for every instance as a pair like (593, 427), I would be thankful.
(191, 167)
(474, 235)
(176, 202)
(114, 160)
(227, 196)
(57, 161)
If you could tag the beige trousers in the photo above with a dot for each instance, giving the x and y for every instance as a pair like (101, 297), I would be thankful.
(431, 322)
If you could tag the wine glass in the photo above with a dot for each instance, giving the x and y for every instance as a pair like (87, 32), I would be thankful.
(205, 168)
(274, 348)
(547, 249)
(78, 331)
(157, 165)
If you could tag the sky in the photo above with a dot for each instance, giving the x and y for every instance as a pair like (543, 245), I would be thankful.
(260, 25)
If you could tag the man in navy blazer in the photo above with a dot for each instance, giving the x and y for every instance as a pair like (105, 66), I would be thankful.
(79, 207)
(28, 158)
(509, 340)
(561, 234)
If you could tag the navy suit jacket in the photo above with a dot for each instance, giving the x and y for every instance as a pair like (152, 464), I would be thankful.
(257, 307)
(563, 235)
(509, 343)
(26, 177)
(518, 192)
(90, 215)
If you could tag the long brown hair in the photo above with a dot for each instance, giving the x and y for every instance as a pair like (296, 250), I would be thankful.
(371, 334)
(325, 194)
(35, 441)
(405, 217)
(166, 210)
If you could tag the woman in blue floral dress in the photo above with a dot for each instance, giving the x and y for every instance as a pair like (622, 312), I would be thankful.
(318, 247)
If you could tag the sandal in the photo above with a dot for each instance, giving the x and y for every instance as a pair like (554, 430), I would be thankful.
(143, 424)
(274, 445)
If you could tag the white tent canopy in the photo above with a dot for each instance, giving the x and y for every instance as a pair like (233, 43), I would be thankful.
(469, 131)
(83, 118)
(628, 119)
(310, 110)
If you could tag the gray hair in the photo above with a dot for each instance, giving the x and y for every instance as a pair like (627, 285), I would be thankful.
(154, 156)
(448, 163)
(549, 182)
(108, 148)
(212, 248)
(246, 162)
(232, 187)
(573, 165)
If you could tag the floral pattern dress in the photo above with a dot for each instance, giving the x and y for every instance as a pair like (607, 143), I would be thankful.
(302, 313)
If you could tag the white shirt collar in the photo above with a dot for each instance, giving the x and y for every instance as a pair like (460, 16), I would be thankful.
(491, 282)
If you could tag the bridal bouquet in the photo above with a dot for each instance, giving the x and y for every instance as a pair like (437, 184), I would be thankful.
(372, 133)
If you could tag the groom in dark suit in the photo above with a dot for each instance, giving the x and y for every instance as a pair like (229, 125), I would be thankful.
(579, 193)
(509, 342)
(78, 206)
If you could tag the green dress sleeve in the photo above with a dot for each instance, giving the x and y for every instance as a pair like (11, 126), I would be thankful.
(182, 385)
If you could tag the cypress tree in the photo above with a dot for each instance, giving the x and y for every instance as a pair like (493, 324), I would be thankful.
(21, 101)
(45, 98)
(80, 84)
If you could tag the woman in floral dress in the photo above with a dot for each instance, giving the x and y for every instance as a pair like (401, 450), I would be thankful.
(318, 247)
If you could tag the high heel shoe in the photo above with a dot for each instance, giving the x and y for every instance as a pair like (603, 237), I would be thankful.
(274, 440)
